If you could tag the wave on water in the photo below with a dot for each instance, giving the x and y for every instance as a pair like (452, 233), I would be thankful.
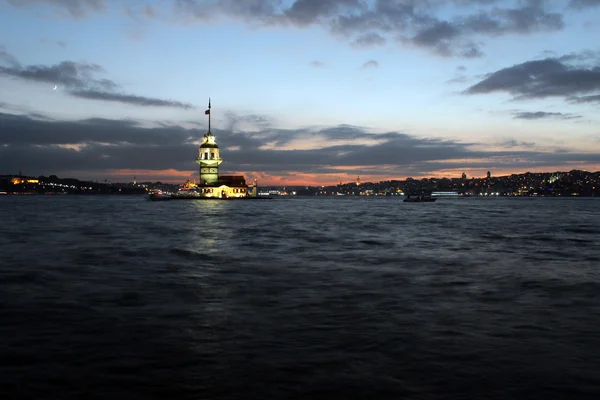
(114, 297)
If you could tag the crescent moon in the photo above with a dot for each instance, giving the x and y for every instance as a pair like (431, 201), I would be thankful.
(55, 87)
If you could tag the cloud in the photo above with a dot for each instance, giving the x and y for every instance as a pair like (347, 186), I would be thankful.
(549, 53)
(250, 122)
(444, 39)
(565, 76)
(542, 115)
(8, 58)
(421, 23)
(317, 64)
(425, 24)
(307, 12)
(95, 146)
(260, 10)
(585, 99)
(456, 37)
(129, 99)
(60, 43)
(579, 4)
(75, 8)
(140, 13)
(67, 73)
(369, 40)
(458, 79)
(370, 64)
(515, 143)
(80, 81)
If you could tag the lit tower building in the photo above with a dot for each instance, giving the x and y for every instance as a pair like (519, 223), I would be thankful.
(213, 185)
(208, 156)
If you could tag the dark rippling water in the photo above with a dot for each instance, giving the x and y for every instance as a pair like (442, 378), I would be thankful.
(120, 297)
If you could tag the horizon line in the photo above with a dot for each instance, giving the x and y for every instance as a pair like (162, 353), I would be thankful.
(335, 184)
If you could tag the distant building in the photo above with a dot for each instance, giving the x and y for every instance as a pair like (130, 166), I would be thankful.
(489, 174)
(21, 181)
(464, 176)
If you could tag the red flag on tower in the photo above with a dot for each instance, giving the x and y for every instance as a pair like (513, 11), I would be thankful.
(207, 112)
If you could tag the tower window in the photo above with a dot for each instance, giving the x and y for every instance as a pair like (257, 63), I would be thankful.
(212, 155)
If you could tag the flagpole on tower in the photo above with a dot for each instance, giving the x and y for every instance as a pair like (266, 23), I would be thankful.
(209, 115)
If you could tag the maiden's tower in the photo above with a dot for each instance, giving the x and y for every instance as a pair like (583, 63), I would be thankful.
(211, 184)
(208, 156)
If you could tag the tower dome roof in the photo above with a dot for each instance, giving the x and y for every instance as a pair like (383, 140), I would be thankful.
(209, 141)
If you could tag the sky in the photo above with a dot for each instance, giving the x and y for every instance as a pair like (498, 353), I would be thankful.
(303, 92)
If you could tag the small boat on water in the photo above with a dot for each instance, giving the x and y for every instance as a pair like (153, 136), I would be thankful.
(419, 199)
(159, 196)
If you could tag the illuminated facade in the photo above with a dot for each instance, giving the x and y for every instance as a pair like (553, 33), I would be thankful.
(208, 156)
(209, 160)
(21, 181)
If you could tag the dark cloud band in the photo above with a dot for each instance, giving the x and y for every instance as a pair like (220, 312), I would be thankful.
(46, 146)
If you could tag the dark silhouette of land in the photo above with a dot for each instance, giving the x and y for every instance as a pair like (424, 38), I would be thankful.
(17, 184)
(572, 183)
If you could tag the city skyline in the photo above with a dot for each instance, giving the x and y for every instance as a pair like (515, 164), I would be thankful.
(303, 92)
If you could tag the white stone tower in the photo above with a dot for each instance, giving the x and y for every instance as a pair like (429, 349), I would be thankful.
(208, 156)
